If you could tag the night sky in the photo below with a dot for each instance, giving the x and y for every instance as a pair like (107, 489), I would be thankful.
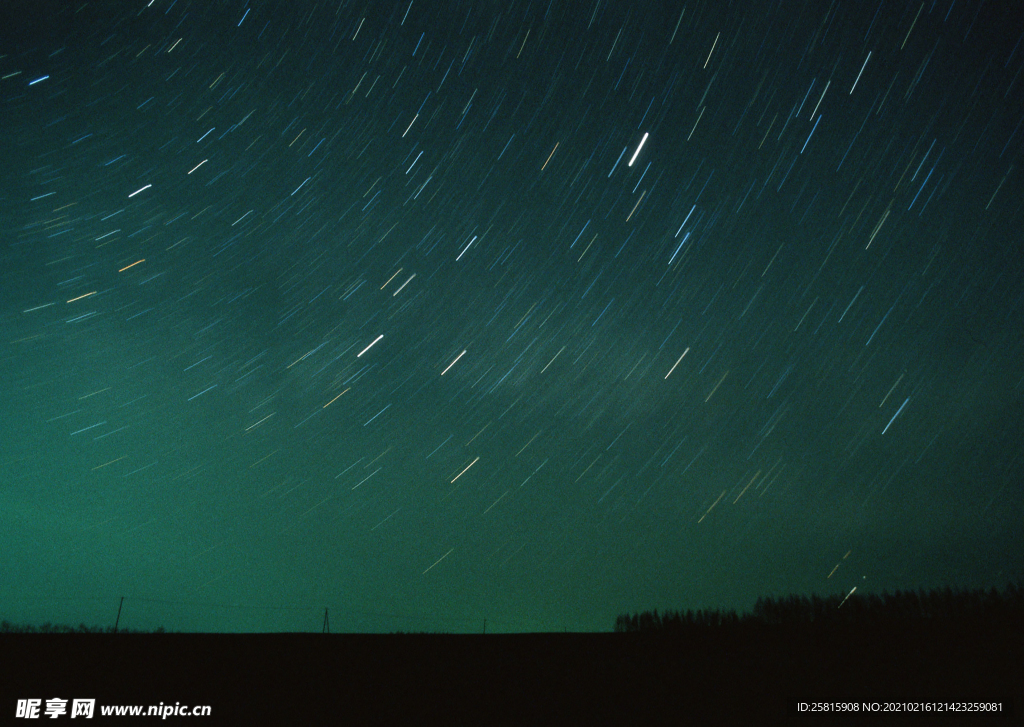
(532, 312)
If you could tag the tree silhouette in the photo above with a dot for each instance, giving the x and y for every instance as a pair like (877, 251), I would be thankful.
(887, 610)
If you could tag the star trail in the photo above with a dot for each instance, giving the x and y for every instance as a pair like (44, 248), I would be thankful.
(529, 312)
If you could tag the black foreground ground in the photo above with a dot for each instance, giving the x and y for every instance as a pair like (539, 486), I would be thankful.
(755, 675)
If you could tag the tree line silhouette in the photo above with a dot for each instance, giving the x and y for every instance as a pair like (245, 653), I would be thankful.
(902, 608)
(6, 627)
(939, 605)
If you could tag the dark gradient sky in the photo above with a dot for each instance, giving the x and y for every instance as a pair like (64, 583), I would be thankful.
(391, 309)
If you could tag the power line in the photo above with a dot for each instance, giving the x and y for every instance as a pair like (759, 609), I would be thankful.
(462, 621)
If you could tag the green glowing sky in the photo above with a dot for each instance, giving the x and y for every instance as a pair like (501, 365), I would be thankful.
(396, 312)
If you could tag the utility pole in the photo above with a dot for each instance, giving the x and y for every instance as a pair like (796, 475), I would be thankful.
(118, 620)
(327, 625)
